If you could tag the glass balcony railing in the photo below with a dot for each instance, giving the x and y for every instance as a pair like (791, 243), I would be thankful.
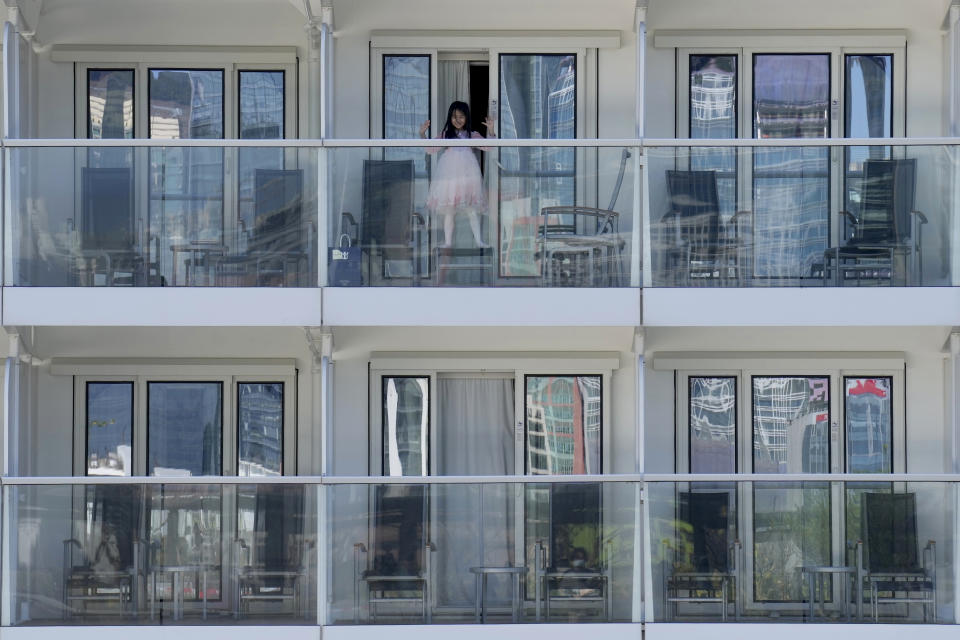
(386, 551)
(803, 551)
(155, 216)
(130, 554)
(483, 216)
(482, 213)
(844, 215)
(483, 553)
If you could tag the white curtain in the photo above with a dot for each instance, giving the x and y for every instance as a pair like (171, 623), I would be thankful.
(453, 84)
(474, 523)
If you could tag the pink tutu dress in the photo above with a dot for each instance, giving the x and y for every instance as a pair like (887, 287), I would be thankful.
(457, 182)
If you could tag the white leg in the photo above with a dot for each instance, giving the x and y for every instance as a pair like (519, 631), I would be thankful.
(474, 219)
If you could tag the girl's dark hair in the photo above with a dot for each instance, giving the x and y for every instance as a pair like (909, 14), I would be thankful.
(450, 131)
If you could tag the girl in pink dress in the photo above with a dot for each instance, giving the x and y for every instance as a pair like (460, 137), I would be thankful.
(457, 184)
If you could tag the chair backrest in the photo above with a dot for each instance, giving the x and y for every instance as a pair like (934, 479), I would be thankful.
(708, 515)
(398, 531)
(278, 210)
(695, 204)
(278, 526)
(616, 187)
(890, 532)
(887, 198)
(387, 206)
(107, 213)
(575, 527)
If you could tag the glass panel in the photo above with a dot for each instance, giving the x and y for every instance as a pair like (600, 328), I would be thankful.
(184, 426)
(868, 414)
(377, 242)
(899, 241)
(406, 425)
(184, 543)
(109, 428)
(186, 103)
(97, 230)
(538, 99)
(868, 101)
(416, 542)
(713, 114)
(713, 425)
(260, 426)
(110, 103)
(475, 435)
(563, 421)
(186, 185)
(791, 424)
(406, 105)
(261, 105)
(791, 99)
(791, 529)
(262, 116)
(136, 554)
(276, 553)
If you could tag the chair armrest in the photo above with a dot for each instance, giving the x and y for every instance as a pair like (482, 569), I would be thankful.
(849, 216)
(921, 218)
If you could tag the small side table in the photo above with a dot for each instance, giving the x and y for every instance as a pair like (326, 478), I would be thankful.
(817, 577)
(481, 574)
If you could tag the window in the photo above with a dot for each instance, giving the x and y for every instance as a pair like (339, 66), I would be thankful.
(109, 429)
(241, 94)
(713, 424)
(463, 414)
(190, 420)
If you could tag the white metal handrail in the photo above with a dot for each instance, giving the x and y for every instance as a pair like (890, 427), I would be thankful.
(445, 480)
(333, 143)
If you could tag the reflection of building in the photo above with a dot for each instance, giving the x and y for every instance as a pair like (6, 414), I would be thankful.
(261, 427)
(563, 425)
(791, 425)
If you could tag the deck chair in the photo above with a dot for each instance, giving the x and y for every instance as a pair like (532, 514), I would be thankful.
(103, 574)
(391, 231)
(108, 229)
(277, 248)
(572, 566)
(888, 562)
(705, 567)
(394, 576)
(581, 246)
(694, 243)
(888, 228)
(270, 557)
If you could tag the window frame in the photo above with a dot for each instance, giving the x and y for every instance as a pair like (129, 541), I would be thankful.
(228, 374)
(142, 64)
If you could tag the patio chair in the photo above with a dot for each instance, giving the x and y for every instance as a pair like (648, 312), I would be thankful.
(706, 564)
(888, 561)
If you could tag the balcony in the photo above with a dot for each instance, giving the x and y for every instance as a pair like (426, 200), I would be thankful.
(425, 552)
(368, 222)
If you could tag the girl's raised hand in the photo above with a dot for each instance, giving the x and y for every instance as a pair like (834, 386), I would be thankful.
(488, 123)
(424, 127)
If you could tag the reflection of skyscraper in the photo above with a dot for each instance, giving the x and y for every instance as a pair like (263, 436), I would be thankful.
(791, 425)
(261, 426)
(563, 425)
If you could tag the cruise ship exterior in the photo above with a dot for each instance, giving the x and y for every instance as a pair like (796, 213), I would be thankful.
(349, 318)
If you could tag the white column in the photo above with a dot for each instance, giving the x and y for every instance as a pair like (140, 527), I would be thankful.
(640, 25)
(11, 81)
(953, 457)
(953, 129)
(11, 408)
(641, 555)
